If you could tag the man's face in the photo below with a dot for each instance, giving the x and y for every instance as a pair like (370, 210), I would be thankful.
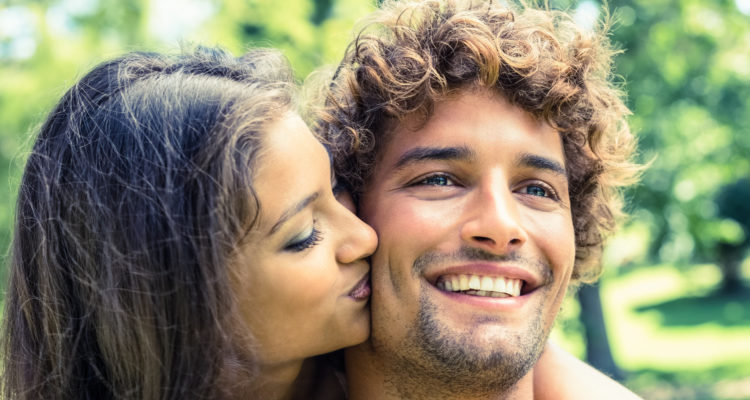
(476, 240)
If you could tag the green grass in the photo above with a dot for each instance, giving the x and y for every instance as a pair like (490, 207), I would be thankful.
(672, 334)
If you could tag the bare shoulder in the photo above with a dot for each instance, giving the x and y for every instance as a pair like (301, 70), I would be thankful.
(559, 375)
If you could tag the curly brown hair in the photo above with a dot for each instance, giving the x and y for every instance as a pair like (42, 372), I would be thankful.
(413, 54)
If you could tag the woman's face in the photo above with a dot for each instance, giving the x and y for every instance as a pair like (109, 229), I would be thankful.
(300, 277)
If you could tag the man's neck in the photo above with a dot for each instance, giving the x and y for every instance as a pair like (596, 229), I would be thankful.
(370, 377)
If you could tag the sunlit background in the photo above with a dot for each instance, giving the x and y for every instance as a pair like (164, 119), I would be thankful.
(675, 297)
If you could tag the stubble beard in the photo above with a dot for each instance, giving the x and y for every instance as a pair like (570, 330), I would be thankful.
(435, 361)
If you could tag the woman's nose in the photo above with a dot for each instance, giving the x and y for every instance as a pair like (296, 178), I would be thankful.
(358, 241)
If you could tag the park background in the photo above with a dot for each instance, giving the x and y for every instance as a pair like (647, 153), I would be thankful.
(674, 298)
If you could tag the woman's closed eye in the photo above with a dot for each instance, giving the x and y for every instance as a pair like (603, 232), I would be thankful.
(300, 244)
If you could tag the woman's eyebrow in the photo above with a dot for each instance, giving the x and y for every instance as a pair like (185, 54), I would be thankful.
(293, 210)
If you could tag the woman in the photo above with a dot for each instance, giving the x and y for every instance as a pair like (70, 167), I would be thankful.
(177, 236)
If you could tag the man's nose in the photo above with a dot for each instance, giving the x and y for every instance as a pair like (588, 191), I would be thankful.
(493, 221)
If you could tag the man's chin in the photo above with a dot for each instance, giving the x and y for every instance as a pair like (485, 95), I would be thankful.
(484, 354)
(486, 346)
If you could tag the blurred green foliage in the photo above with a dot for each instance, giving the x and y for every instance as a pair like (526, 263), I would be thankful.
(686, 70)
(685, 66)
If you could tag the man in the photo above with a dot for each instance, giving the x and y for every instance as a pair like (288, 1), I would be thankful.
(486, 145)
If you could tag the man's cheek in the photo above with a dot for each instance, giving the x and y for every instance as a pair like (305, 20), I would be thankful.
(420, 219)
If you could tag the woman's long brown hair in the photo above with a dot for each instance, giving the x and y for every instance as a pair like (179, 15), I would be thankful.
(137, 189)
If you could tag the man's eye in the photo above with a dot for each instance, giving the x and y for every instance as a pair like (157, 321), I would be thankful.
(536, 190)
(540, 190)
(437, 180)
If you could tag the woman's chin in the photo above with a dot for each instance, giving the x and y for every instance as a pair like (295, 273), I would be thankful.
(355, 332)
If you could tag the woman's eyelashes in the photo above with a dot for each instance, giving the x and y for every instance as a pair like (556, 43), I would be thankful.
(297, 245)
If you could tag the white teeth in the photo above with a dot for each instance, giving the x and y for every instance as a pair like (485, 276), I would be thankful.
(455, 282)
(487, 283)
(478, 285)
(463, 282)
(474, 282)
(500, 285)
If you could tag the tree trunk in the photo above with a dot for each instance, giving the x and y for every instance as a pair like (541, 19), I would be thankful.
(598, 352)
(730, 259)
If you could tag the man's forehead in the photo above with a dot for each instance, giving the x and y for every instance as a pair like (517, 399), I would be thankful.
(399, 135)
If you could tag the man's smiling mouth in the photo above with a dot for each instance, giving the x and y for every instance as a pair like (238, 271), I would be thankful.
(480, 285)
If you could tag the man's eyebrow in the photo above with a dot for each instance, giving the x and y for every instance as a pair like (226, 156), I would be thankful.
(419, 154)
(539, 162)
(291, 211)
